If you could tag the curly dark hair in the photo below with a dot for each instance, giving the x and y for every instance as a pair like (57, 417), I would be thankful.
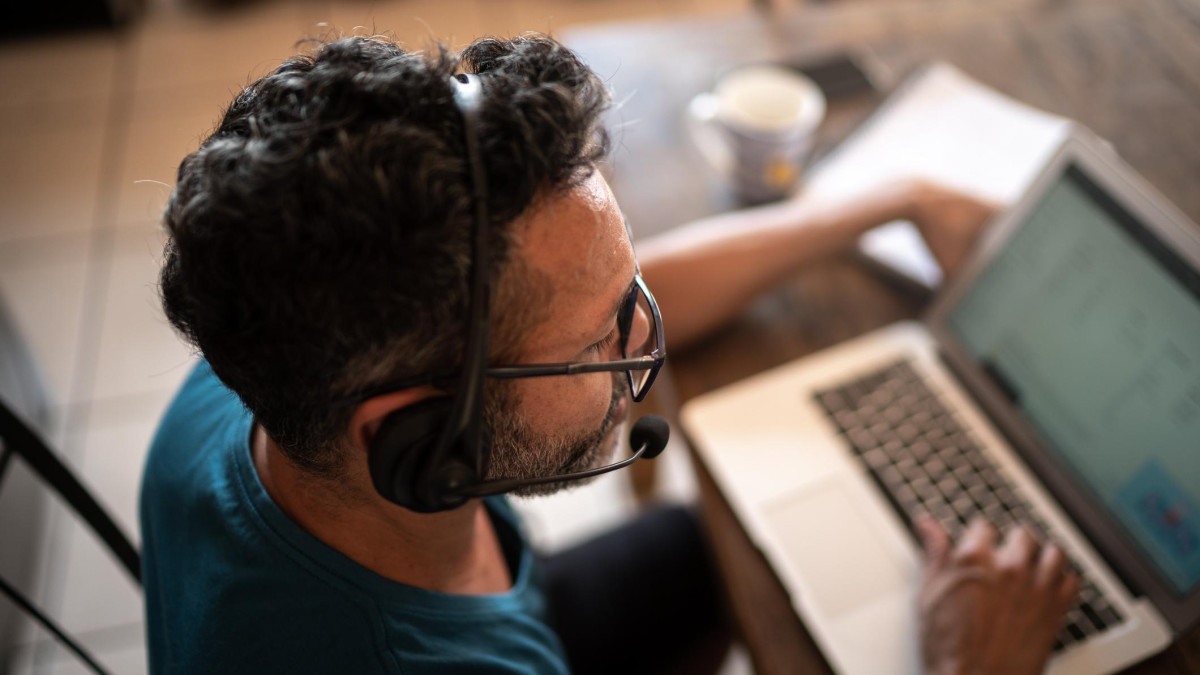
(318, 239)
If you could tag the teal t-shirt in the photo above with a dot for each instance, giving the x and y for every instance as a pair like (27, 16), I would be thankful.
(232, 585)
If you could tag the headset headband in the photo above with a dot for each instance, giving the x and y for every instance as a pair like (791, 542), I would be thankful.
(464, 434)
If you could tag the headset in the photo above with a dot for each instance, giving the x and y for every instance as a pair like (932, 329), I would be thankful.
(432, 456)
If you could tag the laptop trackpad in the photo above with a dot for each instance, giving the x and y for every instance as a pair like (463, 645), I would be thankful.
(835, 550)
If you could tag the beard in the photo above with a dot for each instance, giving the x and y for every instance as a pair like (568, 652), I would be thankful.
(520, 453)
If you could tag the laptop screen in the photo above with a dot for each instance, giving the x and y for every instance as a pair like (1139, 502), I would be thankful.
(1091, 327)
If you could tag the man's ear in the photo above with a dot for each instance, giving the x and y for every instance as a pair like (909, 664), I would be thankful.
(369, 414)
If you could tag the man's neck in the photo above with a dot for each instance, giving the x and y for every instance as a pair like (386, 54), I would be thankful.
(451, 552)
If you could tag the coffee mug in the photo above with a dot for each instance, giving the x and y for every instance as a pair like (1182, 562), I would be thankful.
(756, 128)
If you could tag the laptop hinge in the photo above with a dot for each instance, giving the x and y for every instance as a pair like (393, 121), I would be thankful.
(1021, 449)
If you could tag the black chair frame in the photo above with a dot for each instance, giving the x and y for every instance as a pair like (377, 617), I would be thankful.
(17, 438)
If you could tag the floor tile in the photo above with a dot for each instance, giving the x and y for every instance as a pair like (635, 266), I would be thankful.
(43, 286)
(51, 171)
(161, 130)
(697, 7)
(19, 661)
(76, 581)
(105, 414)
(96, 592)
(119, 650)
(25, 518)
(229, 47)
(130, 660)
(138, 351)
(49, 116)
(57, 68)
(113, 445)
(414, 23)
(551, 17)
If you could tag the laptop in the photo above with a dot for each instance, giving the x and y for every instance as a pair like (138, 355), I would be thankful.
(1055, 382)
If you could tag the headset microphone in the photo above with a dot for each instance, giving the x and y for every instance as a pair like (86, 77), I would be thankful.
(649, 435)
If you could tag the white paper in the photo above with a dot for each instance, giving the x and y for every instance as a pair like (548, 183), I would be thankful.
(945, 127)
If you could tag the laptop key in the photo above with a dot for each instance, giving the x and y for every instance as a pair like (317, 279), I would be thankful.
(1109, 615)
(862, 439)
(919, 454)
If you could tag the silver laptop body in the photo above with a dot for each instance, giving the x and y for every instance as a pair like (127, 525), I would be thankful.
(1068, 351)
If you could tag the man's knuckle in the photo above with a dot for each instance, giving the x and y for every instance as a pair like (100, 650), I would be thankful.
(1055, 558)
(972, 555)
(1010, 573)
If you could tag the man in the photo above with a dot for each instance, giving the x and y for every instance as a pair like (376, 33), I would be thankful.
(320, 254)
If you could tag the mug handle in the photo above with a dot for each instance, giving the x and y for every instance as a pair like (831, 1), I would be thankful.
(701, 123)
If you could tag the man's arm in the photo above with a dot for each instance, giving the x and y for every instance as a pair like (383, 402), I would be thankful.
(706, 272)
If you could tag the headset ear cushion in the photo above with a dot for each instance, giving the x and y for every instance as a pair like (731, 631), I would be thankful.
(399, 454)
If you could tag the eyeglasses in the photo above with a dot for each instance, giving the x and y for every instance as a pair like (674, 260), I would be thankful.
(640, 362)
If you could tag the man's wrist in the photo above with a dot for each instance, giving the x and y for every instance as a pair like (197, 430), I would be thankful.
(951, 668)
(908, 199)
(897, 200)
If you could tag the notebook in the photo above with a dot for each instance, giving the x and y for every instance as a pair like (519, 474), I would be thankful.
(941, 125)
(1056, 383)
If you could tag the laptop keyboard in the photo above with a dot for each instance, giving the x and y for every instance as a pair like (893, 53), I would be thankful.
(925, 460)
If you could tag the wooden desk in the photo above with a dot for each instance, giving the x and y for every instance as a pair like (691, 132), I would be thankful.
(1128, 69)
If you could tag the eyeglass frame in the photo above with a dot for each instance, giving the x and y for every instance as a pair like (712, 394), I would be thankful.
(652, 362)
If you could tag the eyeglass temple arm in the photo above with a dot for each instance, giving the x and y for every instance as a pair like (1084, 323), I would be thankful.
(550, 369)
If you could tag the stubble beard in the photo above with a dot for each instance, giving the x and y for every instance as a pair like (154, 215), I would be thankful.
(520, 453)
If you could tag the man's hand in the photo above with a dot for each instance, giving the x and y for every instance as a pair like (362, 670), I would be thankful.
(948, 220)
(988, 609)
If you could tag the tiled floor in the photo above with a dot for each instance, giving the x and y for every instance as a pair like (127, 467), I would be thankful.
(92, 127)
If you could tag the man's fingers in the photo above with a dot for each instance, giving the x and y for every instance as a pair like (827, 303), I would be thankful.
(1052, 566)
(978, 543)
(1020, 547)
(1054, 574)
(1068, 589)
(934, 539)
